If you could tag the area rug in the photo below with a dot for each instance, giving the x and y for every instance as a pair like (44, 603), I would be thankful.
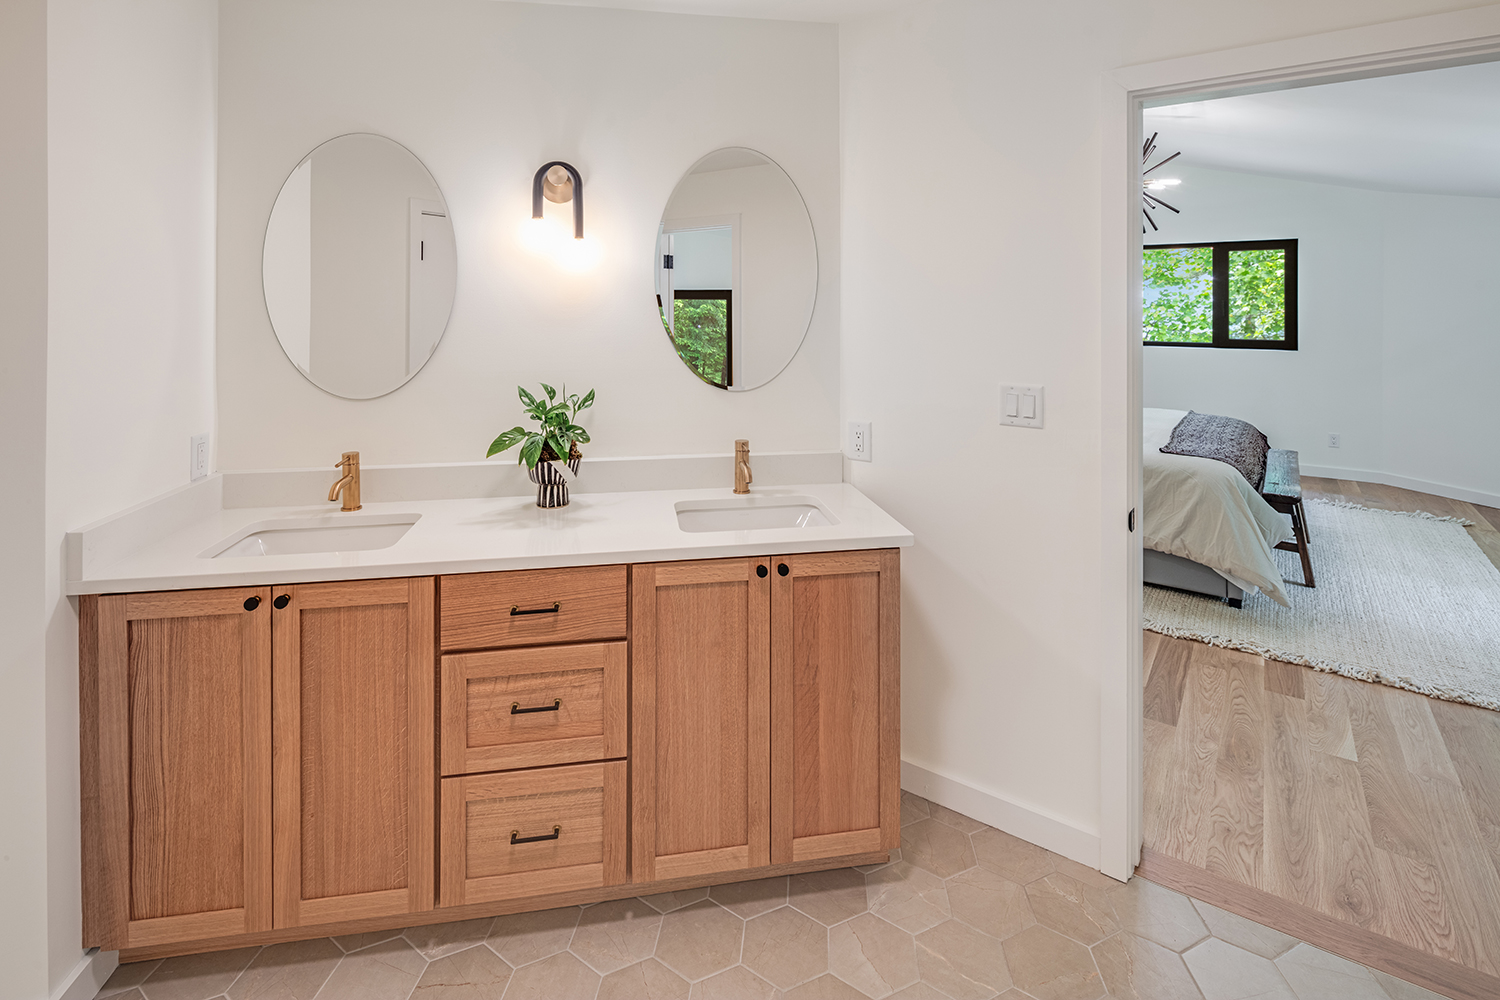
(1402, 599)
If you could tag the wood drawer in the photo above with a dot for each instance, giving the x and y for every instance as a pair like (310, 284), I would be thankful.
(579, 809)
(510, 708)
(532, 607)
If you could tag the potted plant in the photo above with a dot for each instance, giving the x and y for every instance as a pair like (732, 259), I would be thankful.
(542, 449)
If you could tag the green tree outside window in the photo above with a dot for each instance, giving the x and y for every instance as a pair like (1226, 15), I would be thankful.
(1257, 294)
(701, 336)
(1178, 286)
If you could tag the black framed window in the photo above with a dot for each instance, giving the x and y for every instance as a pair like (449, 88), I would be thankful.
(703, 332)
(1239, 295)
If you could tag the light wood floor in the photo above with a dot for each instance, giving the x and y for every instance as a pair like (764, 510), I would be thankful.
(1485, 532)
(1372, 805)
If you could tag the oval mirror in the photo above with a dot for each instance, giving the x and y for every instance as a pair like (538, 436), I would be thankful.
(736, 269)
(359, 266)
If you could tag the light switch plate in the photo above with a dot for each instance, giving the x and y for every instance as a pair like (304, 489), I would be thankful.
(198, 458)
(859, 440)
(1021, 405)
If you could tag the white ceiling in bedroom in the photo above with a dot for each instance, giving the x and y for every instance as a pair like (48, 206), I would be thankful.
(1435, 132)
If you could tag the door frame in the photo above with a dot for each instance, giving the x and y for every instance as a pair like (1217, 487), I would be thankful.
(1429, 42)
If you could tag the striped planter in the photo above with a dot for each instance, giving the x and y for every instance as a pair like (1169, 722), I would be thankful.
(551, 487)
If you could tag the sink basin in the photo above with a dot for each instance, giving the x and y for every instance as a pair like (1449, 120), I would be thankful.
(328, 533)
(752, 514)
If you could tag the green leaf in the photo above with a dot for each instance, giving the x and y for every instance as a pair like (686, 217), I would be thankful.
(586, 403)
(578, 434)
(551, 392)
(527, 398)
(507, 440)
(531, 451)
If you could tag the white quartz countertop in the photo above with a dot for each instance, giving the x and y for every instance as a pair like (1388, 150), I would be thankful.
(467, 536)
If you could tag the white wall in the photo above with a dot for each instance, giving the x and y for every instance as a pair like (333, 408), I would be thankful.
(484, 93)
(120, 271)
(23, 457)
(972, 235)
(1398, 338)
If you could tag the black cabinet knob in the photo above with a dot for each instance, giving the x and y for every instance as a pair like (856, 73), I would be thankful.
(781, 569)
(762, 572)
(282, 601)
(251, 603)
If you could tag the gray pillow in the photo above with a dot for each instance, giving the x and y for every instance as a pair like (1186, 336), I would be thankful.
(1224, 439)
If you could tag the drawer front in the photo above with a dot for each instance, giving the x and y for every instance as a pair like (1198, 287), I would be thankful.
(532, 607)
(511, 708)
(529, 833)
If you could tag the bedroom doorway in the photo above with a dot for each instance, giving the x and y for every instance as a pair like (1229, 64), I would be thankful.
(1356, 805)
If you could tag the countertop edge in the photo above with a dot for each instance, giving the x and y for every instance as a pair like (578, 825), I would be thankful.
(451, 567)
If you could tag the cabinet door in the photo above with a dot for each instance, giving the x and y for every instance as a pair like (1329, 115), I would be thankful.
(700, 753)
(355, 778)
(176, 723)
(835, 704)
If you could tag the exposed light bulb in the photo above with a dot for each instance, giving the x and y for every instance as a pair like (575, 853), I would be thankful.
(1161, 183)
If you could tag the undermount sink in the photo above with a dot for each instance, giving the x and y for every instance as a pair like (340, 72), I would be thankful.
(326, 533)
(752, 513)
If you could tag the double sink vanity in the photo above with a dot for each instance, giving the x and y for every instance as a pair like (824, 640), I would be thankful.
(453, 702)
(300, 722)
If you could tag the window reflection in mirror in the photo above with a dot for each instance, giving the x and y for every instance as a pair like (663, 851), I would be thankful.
(697, 296)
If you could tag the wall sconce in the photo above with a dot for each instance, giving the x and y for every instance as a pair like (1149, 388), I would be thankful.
(559, 183)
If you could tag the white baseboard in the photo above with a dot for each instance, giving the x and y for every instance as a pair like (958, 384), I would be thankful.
(1404, 482)
(89, 976)
(1029, 824)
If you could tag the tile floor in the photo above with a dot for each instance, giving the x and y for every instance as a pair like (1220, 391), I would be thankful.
(962, 912)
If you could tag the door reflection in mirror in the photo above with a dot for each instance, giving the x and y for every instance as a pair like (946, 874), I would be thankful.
(736, 269)
(697, 298)
(359, 266)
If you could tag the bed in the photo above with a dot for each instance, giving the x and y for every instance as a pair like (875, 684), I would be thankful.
(1204, 527)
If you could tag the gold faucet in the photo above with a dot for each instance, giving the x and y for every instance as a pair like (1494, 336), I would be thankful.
(349, 484)
(742, 477)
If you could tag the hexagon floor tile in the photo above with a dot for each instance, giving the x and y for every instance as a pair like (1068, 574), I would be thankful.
(961, 911)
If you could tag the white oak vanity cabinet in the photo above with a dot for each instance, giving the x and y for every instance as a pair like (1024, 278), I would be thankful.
(272, 763)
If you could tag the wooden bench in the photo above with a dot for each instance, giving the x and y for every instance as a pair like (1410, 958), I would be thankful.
(1283, 491)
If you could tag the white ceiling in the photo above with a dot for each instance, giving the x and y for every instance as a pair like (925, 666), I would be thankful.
(828, 11)
(1435, 132)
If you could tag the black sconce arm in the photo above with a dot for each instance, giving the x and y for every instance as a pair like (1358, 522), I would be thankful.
(536, 194)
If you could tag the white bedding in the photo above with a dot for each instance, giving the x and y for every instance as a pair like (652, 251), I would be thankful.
(1204, 510)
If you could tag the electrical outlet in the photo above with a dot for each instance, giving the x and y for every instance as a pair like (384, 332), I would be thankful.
(1333, 440)
(198, 468)
(859, 440)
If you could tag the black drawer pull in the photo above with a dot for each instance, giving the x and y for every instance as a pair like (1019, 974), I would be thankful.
(516, 838)
(515, 609)
(516, 709)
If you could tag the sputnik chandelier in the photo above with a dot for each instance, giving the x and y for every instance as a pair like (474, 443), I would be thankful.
(1150, 202)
